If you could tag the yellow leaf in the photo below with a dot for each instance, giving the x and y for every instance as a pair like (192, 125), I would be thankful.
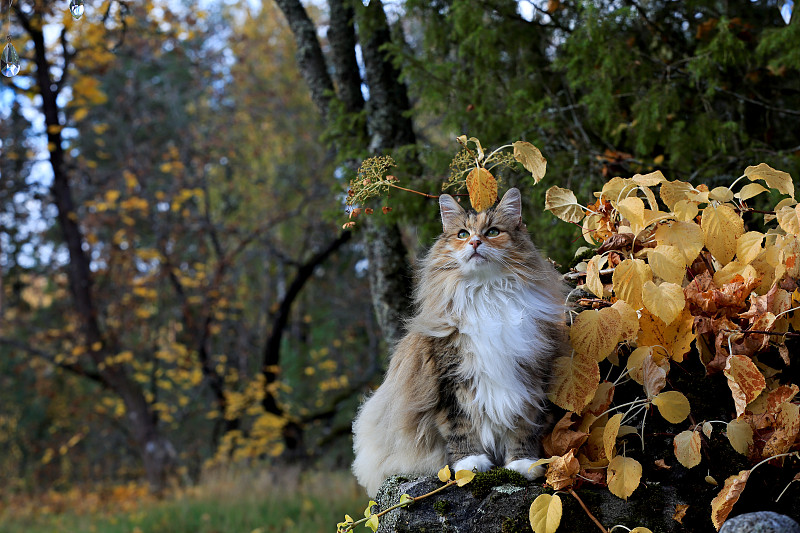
(720, 194)
(721, 227)
(628, 279)
(563, 204)
(685, 210)
(687, 237)
(748, 246)
(545, 513)
(80, 114)
(667, 262)
(723, 503)
(749, 191)
(444, 474)
(675, 338)
(616, 189)
(745, 381)
(733, 269)
(635, 363)
(372, 523)
(593, 268)
(531, 158)
(674, 191)
(482, 189)
(368, 510)
(632, 208)
(687, 448)
(624, 474)
(649, 180)
(596, 332)
(463, 477)
(740, 435)
(629, 320)
(666, 301)
(672, 405)
(775, 179)
(788, 219)
(610, 434)
(640, 529)
(575, 381)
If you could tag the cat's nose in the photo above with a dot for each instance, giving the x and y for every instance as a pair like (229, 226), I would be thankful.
(475, 242)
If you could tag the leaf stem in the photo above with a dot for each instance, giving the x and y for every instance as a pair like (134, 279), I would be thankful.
(406, 503)
(426, 195)
(583, 505)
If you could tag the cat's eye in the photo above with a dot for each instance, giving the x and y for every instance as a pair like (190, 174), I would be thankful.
(463, 234)
(492, 232)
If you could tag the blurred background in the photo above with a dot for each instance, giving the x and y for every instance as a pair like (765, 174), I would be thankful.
(183, 319)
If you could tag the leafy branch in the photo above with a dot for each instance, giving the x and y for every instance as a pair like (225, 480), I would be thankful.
(370, 520)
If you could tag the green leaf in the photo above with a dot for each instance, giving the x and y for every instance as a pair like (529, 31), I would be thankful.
(372, 523)
(368, 510)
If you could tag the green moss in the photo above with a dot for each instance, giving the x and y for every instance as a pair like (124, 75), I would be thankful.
(520, 524)
(441, 507)
(484, 482)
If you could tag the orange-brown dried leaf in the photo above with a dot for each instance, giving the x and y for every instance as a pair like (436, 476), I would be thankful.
(602, 399)
(680, 512)
(563, 437)
(723, 503)
(563, 471)
(745, 381)
(787, 426)
(482, 189)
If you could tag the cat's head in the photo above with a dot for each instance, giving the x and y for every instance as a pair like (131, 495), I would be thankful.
(493, 241)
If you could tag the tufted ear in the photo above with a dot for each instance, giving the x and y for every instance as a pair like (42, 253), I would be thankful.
(450, 210)
(511, 206)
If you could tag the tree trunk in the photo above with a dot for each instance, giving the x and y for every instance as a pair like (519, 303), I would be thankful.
(156, 451)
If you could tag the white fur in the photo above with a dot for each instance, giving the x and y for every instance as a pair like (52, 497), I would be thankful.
(479, 463)
(499, 325)
(523, 466)
(383, 447)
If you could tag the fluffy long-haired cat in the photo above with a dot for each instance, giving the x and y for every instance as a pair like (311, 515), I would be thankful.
(466, 385)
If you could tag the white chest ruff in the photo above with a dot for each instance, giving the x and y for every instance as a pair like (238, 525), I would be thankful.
(501, 331)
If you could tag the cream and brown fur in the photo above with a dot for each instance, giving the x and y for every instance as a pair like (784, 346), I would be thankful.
(466, 385)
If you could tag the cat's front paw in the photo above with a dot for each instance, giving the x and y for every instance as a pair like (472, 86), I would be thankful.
(479, 463)
(523, 466)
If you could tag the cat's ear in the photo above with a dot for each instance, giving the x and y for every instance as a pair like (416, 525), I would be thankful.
(511, 206)
(450, 210)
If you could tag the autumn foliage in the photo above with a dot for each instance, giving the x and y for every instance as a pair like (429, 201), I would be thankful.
(675, 274)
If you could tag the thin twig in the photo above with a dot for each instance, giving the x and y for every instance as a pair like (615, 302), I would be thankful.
(760, 332)
(588, 512)
(576, 275)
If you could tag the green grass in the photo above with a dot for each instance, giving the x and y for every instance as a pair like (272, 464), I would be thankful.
(232, 503)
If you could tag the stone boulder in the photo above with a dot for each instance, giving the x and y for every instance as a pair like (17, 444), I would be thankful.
(499, 501)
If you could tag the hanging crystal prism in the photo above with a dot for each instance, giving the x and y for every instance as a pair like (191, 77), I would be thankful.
(9, 60)
(786, 11)
(76, 8)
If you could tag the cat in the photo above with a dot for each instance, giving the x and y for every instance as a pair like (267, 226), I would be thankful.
(466, 384)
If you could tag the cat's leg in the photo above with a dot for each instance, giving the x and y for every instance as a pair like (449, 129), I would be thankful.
(523, 451)
(464, 449)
